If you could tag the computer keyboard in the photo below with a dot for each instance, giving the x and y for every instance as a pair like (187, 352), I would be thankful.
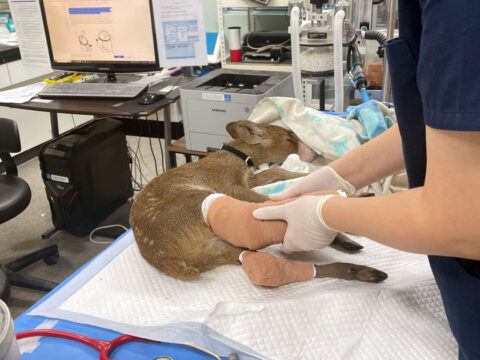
(93, 90)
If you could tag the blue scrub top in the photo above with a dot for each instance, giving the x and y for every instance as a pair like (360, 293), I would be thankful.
(433, 67)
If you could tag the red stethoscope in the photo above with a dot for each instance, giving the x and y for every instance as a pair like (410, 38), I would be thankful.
(102, 346)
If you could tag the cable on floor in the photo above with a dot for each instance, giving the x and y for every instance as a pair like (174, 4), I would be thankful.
(90, 237)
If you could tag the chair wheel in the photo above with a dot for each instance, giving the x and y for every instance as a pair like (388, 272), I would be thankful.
(50, 260)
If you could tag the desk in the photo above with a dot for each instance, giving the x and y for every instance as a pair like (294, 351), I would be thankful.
(133, 124)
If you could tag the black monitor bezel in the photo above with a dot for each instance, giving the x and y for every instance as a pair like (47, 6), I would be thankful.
(102, 67)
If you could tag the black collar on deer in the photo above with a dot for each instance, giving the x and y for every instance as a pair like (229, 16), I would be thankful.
(238, 153)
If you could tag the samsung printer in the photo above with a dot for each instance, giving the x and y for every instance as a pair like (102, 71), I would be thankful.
(212, 101)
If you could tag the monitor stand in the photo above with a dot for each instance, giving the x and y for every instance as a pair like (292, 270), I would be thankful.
(115, 78)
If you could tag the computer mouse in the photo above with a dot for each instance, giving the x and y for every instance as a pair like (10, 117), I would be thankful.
(150, 98)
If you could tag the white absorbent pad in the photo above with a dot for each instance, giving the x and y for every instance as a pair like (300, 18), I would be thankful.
(222, 311)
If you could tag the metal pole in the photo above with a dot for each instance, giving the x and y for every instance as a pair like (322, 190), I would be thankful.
(392, 17)
(54, 124)
(167, 135)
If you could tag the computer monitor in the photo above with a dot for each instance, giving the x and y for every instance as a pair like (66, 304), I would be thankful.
(105, 36)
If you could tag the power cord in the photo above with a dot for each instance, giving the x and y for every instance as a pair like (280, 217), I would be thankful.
(267, 47)
(133, 170)
(90, 237)
(137, 167)
(151, 147)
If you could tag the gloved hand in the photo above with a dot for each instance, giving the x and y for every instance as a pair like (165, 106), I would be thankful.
(322, 179)
(306, 229)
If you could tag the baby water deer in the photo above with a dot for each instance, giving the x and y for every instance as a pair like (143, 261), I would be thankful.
(166, 215)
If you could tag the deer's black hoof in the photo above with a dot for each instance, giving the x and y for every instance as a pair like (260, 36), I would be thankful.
(367, 274)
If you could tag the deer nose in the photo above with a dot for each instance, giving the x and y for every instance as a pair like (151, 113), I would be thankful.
(305, 152)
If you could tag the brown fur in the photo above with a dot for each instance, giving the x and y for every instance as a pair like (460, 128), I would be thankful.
(166, 215)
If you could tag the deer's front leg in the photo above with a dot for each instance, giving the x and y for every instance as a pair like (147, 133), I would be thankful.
(276, 174)
(245, 194)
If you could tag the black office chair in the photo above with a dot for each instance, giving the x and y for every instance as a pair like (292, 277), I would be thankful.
(15, 196)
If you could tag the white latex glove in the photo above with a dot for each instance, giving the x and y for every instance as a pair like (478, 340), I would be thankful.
(322, 179)
(306, 229)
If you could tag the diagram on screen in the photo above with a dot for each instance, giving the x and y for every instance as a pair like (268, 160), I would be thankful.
(85, 45)
(104, 41)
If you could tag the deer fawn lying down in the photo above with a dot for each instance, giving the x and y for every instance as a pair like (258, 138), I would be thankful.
(166, 215)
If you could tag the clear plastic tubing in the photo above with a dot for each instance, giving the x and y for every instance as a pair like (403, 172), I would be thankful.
(337, 59)
(295, 36)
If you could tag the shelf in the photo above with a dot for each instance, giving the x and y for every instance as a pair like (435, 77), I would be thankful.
(248, 26)
(179, 147)
(258, 66)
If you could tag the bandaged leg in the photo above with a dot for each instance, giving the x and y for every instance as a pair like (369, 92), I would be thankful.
(265, 269)
(232, 221)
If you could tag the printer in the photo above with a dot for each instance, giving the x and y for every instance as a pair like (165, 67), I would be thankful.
(212, 101)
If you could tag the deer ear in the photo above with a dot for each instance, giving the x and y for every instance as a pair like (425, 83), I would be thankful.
(247, 131)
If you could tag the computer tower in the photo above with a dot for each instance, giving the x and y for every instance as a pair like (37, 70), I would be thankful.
(86, 174)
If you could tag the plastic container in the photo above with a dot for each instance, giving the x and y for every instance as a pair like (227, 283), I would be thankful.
(8, 344)
(235, 43)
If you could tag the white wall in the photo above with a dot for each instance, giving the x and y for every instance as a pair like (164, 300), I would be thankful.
(210, 15)
(34, 126)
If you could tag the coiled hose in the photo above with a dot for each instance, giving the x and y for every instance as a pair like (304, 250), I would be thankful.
(375, 35)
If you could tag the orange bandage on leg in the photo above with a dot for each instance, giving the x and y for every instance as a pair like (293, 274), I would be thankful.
(267, 270)
(232, 221)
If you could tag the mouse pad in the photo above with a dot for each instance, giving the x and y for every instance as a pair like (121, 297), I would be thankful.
(132, 107)
(170, 87)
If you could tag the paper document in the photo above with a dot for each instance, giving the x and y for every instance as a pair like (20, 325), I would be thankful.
(150, 80)
(22, 94)
(30, 32)
(181, 38)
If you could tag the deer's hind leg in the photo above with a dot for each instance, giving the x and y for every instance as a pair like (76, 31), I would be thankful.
(276, 174)
(207, 253)
(217, 253)
(178, 268)
(348, 271)
(265, 269)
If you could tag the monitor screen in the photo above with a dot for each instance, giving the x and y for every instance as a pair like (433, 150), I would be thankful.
(100, 35)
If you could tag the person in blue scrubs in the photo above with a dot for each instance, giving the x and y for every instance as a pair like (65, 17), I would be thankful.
(435, 81)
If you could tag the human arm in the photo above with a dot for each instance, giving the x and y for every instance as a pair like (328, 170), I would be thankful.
(374, 160)
(440, 218)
